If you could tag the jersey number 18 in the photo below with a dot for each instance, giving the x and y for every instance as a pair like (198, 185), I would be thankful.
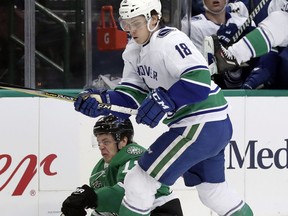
(183, 50)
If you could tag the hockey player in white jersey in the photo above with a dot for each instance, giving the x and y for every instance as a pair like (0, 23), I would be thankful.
(217, 20)
(166, 76)
(271, 32)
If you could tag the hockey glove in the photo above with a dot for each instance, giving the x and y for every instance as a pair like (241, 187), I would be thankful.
(154, 107)
(75, 204)
(88, 105)
(226, 32)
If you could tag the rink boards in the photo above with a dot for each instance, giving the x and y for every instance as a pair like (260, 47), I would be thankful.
(46, 151)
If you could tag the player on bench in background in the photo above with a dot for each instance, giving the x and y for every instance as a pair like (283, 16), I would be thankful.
(271, 32)
(217, 20)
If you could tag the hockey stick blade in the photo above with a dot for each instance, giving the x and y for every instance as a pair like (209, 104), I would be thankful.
(42, 93)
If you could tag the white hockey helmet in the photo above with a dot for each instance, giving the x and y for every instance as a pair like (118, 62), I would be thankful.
(132, 8)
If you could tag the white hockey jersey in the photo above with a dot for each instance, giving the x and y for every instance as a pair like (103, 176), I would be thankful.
(278, 5)
(167, 59)
(200, 27)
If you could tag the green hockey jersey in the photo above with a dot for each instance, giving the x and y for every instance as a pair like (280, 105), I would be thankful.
(107, 179)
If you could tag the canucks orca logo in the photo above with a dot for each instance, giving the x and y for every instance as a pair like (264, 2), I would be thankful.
(196, 18)
(163, 32)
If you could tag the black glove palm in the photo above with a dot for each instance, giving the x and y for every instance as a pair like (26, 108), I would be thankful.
(75, 204)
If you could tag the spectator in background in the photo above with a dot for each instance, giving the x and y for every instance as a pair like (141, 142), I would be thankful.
(119, 154)
(217, 20)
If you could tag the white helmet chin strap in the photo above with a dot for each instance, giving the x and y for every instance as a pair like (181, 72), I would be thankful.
(156, 26)
(213, 12)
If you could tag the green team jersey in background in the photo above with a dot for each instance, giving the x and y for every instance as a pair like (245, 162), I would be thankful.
(107, 180)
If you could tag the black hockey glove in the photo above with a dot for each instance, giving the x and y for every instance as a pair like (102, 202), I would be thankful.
(170, 208)
(75, 204)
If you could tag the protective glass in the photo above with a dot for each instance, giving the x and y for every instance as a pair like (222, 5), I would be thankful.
(132, 24)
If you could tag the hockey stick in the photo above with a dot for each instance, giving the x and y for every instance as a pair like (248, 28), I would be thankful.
(42, 93)
(256, 10)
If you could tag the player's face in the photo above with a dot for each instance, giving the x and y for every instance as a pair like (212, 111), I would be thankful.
(132, 24)
(137, 28)
(215, 5)
(108, 146)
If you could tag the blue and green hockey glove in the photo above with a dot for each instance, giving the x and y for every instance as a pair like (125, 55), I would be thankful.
(89, 105)
(154, 107)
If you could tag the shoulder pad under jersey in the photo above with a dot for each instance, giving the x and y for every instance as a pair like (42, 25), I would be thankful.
(164, 32)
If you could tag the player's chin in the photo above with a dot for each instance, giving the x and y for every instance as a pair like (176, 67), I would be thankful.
(137, 40)
(217, 9)
(106, 158)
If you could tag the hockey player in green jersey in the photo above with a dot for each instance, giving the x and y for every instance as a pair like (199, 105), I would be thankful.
(119, 154)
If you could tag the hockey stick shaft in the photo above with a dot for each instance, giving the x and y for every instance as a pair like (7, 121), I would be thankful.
(42, 93)
(256, 10)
